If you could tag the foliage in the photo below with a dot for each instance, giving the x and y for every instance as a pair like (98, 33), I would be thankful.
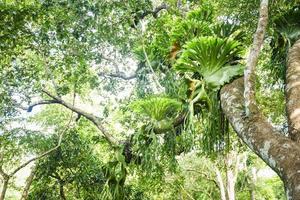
(191, 50)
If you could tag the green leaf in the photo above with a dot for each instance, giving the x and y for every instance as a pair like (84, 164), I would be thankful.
(206, 55)
(157, 108)
(223, 75)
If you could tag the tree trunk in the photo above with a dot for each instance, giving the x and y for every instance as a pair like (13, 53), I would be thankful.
(253, 183)
(279, 152)
(292, 91)
(4, 188)
(232, 160)
(230, 184)
(220, 183)
(61, 191)
(28, 183)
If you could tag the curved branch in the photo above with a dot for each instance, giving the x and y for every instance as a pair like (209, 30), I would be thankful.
(252, 59)
(96, 120)
(42, 102)
(292, 91)
(118, 75)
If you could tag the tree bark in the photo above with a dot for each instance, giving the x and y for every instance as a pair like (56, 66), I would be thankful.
(231, 173)
(61, 191)
(220, 183)
(292, 91)
(252, 59)
(279, 152)
(28, 183)
(230, 184)
(4, 188)
(253, 183)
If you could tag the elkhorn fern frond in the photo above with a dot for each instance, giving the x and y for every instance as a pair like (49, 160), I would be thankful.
(212, 58)
(157, 108)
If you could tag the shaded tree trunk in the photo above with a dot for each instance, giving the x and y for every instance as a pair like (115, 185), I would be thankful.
(4, 188)
(61, 191)
(28, 183)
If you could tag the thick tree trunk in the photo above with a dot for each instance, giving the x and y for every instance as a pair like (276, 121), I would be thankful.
(293, 91)
(279, 152)
(4, 188)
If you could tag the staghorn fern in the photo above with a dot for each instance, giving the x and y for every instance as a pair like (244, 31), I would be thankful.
(157, 108)
(214, 61)
(211, 58)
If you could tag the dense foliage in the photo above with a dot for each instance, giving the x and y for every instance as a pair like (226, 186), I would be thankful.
(66, 85)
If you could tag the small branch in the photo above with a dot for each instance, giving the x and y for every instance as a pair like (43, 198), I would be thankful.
(96, 120)
(204, 175)
(155, 78)
(119, 75)
(252, 60)
(42, 102)
(155, 12)
(43, 154)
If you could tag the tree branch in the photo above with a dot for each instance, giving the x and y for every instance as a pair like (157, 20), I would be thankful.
(120, 75)
(154, 13)
(204, 175)
(43, 154)
(252, 59)
(96, 120)
(42, 102)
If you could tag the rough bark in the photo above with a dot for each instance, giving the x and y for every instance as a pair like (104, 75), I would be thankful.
(278, 151)
(253, 58)
(293, 91)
